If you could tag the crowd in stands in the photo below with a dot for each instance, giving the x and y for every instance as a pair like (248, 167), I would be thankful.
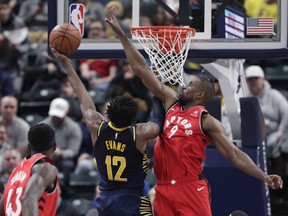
(34, 88)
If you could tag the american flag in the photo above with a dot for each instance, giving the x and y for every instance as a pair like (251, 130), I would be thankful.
(260, 26)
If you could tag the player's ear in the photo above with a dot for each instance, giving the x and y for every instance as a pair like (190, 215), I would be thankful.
(200, 94)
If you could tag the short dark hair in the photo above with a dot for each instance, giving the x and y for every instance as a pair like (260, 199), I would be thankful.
(122, 110)
(208, 88)
(41, 137)
(4, 2)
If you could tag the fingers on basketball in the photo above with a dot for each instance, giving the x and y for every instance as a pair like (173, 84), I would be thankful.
(65, 38)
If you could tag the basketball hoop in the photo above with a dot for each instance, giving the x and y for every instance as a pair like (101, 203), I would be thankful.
(167, 48)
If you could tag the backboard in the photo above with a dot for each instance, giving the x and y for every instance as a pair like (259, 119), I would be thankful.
(224, 28)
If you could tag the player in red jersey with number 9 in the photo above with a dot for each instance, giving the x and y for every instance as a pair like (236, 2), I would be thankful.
(179, 153)
(32, 188)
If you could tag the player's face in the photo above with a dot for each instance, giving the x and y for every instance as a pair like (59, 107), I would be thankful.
(188, 92)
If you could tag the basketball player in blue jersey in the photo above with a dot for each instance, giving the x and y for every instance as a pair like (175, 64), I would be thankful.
(119, 148)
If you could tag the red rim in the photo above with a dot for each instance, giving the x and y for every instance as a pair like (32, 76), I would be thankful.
(160, 29)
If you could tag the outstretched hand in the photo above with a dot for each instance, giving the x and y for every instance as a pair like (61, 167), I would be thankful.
(274, 181)
(113, 22)
(63, 58)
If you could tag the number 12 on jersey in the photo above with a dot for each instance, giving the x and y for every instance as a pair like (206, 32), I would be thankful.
(115, 161)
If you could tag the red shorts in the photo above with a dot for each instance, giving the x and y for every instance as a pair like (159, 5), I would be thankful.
(183, 197)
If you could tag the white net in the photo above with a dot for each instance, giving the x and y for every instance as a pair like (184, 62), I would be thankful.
(167, 48)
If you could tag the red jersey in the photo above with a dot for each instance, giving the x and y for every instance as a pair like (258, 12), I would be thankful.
(15, 188)
(181, 149)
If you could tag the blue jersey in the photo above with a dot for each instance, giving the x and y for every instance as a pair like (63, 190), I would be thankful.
(120, 164)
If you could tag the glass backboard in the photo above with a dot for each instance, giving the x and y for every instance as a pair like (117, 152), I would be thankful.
(224, 28)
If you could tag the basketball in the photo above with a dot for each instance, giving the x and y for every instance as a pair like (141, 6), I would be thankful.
(65, 38)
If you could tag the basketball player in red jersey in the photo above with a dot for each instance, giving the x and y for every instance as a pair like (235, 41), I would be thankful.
(179, 152)
(32, 188)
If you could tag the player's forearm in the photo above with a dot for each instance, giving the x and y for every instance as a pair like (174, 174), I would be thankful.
(141, 69)
(135, 58)
(79, 88)
(246, 164)
(29, 208)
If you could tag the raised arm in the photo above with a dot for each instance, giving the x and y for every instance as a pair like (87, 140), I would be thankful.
(43, 176)
(139, 65)
(236, 156)
(91, 116)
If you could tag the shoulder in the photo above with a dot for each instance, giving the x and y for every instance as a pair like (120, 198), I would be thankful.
(276, 92)
(276, 95)
(70, 123)
(21, 123)
(210, 123)
(43, 167)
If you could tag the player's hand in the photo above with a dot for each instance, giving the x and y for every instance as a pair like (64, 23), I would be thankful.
(274, 181)
(63, 58)
(113, 22)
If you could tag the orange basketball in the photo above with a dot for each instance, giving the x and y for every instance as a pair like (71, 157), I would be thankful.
(65, 38)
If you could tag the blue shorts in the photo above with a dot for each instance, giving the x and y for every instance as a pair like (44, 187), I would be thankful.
(123, 202)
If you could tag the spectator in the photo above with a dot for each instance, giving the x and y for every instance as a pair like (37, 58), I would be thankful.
(85, 160)
(68, 94)
(35, 15)
(13, 35)
(98, 72)
(68, 136)
(155, 12)
(274, 108)
(125, 22)
(3, 142)
(11, 158)
(128, 83)
(16, 127)
(6, 83)
(93, 10)
(262, 8)
(42, 75)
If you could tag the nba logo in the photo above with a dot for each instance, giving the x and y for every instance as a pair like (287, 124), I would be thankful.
(76, 17)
